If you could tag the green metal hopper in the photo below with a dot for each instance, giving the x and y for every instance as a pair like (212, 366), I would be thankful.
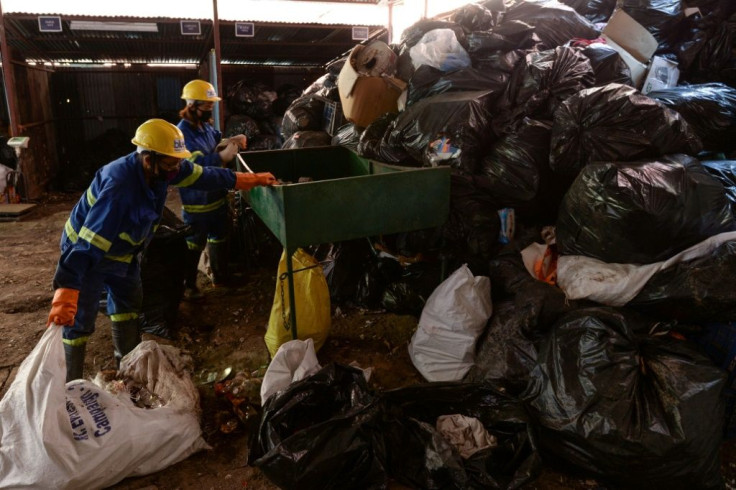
(348, 197)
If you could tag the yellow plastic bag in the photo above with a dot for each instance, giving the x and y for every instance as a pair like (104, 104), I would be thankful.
(312, 302)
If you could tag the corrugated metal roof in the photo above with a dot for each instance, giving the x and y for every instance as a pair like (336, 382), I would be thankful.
(272, 43)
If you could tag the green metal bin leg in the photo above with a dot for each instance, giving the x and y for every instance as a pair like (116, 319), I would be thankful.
(292, 300)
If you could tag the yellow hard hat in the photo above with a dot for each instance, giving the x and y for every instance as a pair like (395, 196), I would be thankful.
(162, 137)
(199, 90)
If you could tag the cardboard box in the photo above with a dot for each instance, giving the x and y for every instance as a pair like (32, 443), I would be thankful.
(366, 97)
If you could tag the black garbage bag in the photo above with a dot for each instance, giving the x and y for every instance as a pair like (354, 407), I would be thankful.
(304, 114)
(347, 135)
(516, 165)
(325, 86)
(378, 273)
(540, 83)
(524, 310)
(446, 129)
(473, 225)
(554, 23)
(420, 457)
(414, 33)
(718, 341)
(404, 65)
(322, 432)
(616, 123)
(510, 35)
(342, 265)
(626, 407)
(499, 61)
(608, 65)
(725, 172)
(473, 17)
(699, 290)
(265, 142)
(307, 139)
(254, 99)
(593, 10)
(242, 124)
(408, 294)
(708, 57)
(641, 212)
(428, 80)
(163, 269)
(662, 18)
(374, 143)
(287, 94)
(709, 109)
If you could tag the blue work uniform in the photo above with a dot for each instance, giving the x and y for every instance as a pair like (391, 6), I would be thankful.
(112, 223)
(205, 211)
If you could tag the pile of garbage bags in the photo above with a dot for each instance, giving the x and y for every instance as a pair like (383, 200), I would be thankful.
(600, 207)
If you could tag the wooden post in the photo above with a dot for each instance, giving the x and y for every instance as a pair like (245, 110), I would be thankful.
(9, 79)
(218, 58)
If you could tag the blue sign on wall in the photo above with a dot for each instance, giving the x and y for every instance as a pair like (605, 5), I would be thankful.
(49, 24)
(190, 28)
(244, 29)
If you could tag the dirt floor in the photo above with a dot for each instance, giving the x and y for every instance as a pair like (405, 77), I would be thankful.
(220, 332)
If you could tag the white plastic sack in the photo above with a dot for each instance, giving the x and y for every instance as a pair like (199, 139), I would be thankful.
(439, 48)
(78, 435)
(616, 284)
(443, 347)
(294, 361)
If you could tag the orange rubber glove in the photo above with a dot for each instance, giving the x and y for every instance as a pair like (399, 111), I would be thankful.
(63, 307)
(246, 181)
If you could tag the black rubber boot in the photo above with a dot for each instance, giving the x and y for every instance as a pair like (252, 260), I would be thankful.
(219, 262)
(74, 355)
(125, 336)
(192, 264)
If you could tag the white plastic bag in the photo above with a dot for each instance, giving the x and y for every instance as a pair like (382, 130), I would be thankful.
(78, 435)
(443, 347)
(295, 360)
(616, 284)
(439, 48)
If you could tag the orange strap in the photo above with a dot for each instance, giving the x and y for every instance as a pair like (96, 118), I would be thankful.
(545, 269)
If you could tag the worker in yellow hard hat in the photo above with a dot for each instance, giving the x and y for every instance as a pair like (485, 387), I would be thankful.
(111, 225)
(206, 211)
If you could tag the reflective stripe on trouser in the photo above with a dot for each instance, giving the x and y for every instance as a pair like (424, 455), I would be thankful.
(124, 298)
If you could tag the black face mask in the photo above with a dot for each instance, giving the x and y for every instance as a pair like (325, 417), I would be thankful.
(201, 115)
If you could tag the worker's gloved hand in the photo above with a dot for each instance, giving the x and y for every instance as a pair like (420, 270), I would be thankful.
(63, 307)
(241, 140)
(229, 152)
(266, 178)
(246, 181)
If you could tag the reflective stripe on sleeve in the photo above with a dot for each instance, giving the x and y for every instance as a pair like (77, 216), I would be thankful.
(70, 231)
(196, 172)
(91, 199)
(94, 239)
(120, 258)
(129, 239)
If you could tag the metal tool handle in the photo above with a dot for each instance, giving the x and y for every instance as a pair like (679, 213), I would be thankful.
(242, 162)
